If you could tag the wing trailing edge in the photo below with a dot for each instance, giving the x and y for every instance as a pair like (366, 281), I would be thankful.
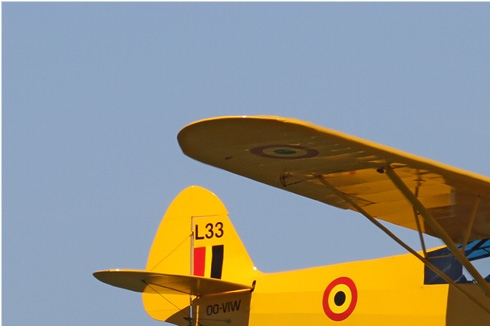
(344, 171)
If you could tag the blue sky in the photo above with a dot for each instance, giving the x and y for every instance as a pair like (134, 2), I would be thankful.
(94, 95)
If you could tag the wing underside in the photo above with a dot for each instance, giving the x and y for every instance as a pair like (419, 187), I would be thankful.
(321, 164)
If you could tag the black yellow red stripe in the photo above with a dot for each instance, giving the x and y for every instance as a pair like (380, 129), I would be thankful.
(215, 269)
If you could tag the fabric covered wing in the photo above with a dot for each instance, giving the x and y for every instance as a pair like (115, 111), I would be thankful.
(343, 171)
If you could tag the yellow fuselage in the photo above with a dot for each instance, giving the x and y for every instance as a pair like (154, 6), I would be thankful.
(199, 273)
(389, 291)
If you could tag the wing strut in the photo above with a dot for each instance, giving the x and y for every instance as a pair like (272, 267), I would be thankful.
(417, 219)
(402, 243)
(438, 229)
(470, 224)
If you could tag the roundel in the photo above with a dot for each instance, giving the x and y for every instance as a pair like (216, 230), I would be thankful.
(285, 152)
(340, 298)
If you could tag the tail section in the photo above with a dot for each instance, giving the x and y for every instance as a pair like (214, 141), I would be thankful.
(196, 238)
(197, 268)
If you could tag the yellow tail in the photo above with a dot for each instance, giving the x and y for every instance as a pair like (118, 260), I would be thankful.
(195, 238)
(198, 269)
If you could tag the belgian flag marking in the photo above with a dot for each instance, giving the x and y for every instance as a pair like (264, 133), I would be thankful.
(208, 261)
(340, 298)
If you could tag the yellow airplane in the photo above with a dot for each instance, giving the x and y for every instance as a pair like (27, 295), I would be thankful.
(199, 273)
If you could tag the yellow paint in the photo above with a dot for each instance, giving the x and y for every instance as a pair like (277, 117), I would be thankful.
(390, 291)
(266, 149)
(339, 309)
(331, 167)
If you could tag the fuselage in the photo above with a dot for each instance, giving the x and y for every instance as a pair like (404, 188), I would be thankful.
(199, 273)
(386, 291)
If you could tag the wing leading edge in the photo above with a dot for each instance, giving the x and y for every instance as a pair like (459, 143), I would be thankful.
(346, 172)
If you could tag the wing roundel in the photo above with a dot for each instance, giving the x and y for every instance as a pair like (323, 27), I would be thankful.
(344, 171)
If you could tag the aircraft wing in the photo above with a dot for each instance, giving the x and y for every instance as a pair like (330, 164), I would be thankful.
(347, 172)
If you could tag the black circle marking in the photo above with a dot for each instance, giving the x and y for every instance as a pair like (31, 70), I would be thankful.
(284, 151)
(339, 298)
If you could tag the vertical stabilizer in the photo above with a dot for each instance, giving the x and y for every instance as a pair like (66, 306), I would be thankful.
(195, 238)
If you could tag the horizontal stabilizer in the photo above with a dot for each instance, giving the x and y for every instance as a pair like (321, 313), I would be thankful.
(139, 281)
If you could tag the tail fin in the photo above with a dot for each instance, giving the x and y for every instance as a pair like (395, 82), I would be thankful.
(195, 238)
(196, 257)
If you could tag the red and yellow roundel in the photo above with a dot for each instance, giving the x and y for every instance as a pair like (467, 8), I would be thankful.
(285, 152)
(340, 298)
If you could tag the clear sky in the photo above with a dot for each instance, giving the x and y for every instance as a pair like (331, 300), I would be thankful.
(94, 95)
